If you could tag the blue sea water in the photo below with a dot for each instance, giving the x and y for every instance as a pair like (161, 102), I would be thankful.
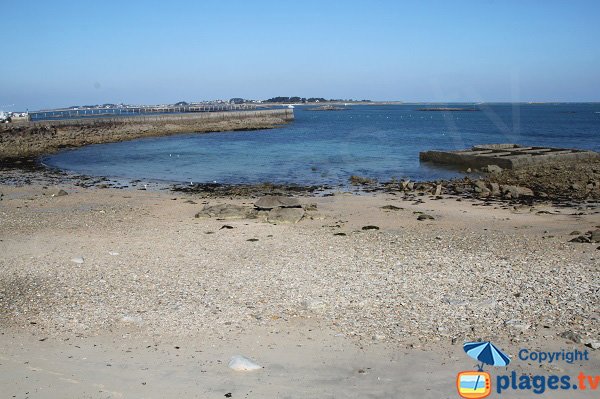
(327, 147)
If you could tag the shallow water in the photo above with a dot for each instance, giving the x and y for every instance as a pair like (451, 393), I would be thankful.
(327, 147)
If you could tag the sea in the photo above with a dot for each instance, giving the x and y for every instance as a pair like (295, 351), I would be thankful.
(327, 147)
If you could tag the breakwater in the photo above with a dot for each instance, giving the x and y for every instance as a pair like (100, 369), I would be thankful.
(32, 139)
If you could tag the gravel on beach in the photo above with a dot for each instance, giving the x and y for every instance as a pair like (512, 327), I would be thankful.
(145, 263)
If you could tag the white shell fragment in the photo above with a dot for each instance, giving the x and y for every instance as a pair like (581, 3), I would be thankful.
(242, 363)
(113, 253)
(77, 259)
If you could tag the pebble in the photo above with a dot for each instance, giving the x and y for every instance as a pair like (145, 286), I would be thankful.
(77, 259)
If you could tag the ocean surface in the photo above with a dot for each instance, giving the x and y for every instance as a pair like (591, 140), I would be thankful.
(327, 147)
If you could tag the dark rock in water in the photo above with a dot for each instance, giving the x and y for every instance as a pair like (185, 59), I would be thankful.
(285, 215)
(391, 208)
(425, 216)
(370, 227)
(276, 201)
(226, 211)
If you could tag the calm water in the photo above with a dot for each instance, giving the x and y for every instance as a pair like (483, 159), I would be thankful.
(328, 147)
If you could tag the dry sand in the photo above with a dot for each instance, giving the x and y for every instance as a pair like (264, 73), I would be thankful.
(377, 313)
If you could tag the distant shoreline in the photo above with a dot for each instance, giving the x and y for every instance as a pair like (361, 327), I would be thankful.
(22, 141)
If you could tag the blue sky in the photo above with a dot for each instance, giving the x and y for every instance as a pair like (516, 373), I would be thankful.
(61, 53)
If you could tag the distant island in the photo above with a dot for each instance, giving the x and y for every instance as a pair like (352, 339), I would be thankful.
(448, 109)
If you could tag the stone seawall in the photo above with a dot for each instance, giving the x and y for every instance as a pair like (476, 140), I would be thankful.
(32, 139)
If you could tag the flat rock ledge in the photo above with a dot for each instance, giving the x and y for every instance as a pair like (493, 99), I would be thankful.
(271, 208)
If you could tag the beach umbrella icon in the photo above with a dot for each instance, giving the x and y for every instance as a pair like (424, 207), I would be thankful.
(486, 353)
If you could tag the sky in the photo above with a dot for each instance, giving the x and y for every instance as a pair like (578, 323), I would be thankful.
(63, 53)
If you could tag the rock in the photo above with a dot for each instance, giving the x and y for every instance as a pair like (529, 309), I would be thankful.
(593, 345)
(77, 259)
(595, 236)
(60, 193)
(495, 189)
(425, 216)
(575, 233)
(571, 336)
(242, 363)
(492, 169)
(310, 207)
(581, 239)
(469, 170)
(391, 208)
(480, 184)
(340, 234)
(516, 191)
(438, 190)
(285, 215)
(276, 201)
(226, 211)
(370, 227)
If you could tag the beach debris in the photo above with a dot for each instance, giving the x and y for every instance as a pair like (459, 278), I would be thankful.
(340, 234)
(370, 227)
(252, 239)
(285, 215)
(425, 216)
(391, 208)
(226, 211)
(242, 363)
(113, 253)
(277, 201)
(226, 226)
(77, 259)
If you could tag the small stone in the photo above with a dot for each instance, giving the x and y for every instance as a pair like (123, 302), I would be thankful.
(391, 208)
(575, 233)
(77, 259)
(242, 363)
(492, 169)
(60, 193)
(112, 253)
(370, 227)
(571, 336)
(593, 345)
(581, 239)
(425, 216)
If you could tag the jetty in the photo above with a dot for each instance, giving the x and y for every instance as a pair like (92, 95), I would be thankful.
(506, 156)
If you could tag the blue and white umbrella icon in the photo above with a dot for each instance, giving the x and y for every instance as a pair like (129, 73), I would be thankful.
(487, 353)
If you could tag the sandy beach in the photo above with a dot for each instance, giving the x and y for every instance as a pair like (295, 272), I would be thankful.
(126, 293)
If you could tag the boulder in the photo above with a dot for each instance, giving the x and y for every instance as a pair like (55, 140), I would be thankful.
(492, 169)
(226, 211)
(595, 236)
(60, 193)
(285, 215)
(276, 201)
(495, 188)
(438, 190)
(516, 191)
